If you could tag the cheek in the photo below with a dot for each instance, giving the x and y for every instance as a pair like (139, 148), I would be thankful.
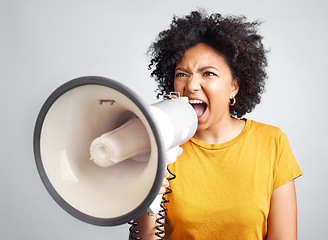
(178, 87)
(218, 94)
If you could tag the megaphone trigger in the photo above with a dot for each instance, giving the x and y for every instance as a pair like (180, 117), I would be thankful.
(172, 154)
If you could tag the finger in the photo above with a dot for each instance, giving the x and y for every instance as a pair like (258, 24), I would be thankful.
(167, 174)
(165, 183)
(162, 190)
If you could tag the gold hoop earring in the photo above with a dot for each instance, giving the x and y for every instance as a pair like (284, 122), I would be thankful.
(233, 101)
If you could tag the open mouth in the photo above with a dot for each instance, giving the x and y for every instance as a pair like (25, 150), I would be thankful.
(199, 106)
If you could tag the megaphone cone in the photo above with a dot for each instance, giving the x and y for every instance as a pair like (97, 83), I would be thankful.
(100, 119)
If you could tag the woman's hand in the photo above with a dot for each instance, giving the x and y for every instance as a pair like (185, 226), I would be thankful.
(147, 222)
(170, 155)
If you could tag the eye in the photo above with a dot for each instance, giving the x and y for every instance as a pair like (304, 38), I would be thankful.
(180, 74)
(208, 73)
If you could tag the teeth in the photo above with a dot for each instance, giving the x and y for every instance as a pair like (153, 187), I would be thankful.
(195, 101)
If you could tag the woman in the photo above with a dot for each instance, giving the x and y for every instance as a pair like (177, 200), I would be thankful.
(235, 177)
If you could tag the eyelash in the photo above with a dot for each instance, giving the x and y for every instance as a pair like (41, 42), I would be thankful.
(180, 75)
(207, 74)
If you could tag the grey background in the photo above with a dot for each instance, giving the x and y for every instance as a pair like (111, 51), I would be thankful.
(46, 43)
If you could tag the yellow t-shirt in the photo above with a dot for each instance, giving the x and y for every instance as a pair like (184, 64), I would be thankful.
(223, 191)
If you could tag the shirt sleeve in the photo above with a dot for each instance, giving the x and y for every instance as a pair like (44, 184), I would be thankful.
(286, 168)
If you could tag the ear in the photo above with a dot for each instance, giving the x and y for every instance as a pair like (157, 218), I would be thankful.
(234, 87)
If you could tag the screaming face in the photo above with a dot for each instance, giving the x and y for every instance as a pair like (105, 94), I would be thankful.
(205, 78)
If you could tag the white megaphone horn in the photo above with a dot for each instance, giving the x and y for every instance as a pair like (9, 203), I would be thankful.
(101, 152)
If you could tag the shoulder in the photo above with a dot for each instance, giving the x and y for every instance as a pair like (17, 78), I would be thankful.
(265, 131)
(263, 128)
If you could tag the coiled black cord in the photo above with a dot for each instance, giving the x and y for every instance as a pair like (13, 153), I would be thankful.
(162, 213)
(133, 231)
(160, 218)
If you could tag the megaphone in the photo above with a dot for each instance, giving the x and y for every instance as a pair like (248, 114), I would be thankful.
(101, 152)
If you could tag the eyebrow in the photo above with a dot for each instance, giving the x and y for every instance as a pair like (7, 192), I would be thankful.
(182, 69)
(198, 70)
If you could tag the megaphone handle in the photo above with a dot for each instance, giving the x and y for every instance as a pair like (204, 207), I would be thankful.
(171, 156)
(154, 207)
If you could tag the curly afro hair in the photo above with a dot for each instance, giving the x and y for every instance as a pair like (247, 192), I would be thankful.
(232, 36)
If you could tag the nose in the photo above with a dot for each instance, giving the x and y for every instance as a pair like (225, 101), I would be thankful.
(193, 85)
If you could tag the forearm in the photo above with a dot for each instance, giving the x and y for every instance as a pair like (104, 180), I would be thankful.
(282, 221)
(147, 226)
(147, 223)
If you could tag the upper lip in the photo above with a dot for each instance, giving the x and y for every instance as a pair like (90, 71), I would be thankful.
(195, 99)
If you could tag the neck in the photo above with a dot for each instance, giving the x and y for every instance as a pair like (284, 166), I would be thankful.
(224, 131)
